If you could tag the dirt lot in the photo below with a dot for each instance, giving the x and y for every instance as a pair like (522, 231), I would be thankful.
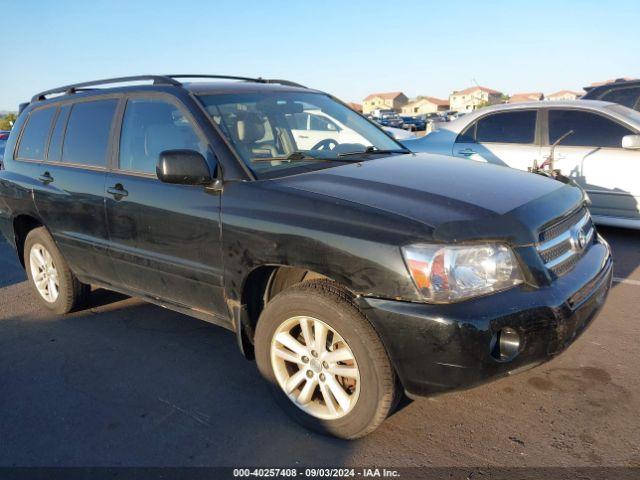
(125, 383)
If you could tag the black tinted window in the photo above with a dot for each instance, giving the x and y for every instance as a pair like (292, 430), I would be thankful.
(590, 130)
(55, 145)
(508, 127)
(35, 135)
(87, 137)
(151, 127)
(629, 97)
(468, 135)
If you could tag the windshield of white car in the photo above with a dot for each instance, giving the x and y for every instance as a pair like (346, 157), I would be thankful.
(275, 133)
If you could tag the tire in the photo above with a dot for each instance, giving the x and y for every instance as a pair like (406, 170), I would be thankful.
(371, 396)
(71, 293)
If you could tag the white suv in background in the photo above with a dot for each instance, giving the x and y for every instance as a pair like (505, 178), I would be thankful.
(602, 155)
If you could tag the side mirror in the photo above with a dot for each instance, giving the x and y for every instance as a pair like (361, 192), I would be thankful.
(631, 142)
(183, 167)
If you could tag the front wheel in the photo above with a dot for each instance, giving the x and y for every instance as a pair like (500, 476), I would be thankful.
(327, 366)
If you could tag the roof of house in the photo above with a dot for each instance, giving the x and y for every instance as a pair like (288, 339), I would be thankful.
(434, 100)
(563, 92)
(385, 95)
(473, 89)
(526, 97)
(355, 106)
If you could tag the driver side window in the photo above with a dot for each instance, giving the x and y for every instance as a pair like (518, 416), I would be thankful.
(150, 127)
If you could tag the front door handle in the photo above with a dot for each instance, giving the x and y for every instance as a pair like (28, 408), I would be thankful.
(46, 178)
(467, 152)
(117, 191)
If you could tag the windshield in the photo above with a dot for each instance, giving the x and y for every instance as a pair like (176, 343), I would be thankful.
(2, 145)
(275, 133)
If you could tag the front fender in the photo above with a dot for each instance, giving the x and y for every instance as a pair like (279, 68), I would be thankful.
(355, 245)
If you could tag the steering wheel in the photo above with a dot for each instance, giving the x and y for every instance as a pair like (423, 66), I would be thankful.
(326, 144)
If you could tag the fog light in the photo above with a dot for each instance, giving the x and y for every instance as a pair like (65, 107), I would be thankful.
(505, 344)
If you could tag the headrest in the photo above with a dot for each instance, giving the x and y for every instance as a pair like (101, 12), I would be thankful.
(249, 127)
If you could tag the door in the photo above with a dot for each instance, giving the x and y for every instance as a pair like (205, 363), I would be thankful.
(69, 193)
(164, 238)
(593, 156)
(503, 138)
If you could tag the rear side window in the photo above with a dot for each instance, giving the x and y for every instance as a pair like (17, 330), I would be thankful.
(36, 132)
(507, 127)
(629, 97)
(590, 129)
(150, 127)
(88, 131)
(55, 145)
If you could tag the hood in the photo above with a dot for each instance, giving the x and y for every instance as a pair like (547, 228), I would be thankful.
(456, 198)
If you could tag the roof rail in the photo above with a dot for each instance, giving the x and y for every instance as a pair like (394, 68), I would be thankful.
(157, 80)
(246, 79)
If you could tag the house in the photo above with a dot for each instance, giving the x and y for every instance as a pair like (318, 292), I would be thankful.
(389, 100)
(564, 95)
(472, 98)
(355, 106)
(526, 97)
(425, 105)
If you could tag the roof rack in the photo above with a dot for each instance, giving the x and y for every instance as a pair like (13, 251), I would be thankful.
(246, 79)
(68, 89)
(157, 80)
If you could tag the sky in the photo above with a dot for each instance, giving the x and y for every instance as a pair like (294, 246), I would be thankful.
(349, 48)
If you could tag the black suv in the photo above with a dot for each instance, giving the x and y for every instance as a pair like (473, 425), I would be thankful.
(352, 269)
(624, 92)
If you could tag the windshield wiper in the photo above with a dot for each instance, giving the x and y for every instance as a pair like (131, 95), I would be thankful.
(373, 151)
(298, 157)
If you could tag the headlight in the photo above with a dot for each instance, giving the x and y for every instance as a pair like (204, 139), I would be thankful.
(445, 274)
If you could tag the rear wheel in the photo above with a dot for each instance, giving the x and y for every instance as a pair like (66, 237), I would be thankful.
(56, 286)
(327, 366)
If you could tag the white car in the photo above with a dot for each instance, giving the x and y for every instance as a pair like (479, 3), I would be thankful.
(602, 155)
(312, 127)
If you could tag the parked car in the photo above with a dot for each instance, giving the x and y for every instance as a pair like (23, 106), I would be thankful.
(623, 92)
(351, 274)
(312, 128)
(414, 124)
(393, 121)
(602, 155)
(4, 136)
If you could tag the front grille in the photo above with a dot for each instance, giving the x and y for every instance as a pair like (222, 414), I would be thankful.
(562, 244)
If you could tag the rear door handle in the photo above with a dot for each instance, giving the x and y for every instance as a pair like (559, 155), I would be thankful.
(46, 178)
(117, 191)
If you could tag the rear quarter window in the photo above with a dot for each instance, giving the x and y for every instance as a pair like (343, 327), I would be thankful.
(35, 134)
(88, 132)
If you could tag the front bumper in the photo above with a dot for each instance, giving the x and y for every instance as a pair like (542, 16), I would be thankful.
(437, 348)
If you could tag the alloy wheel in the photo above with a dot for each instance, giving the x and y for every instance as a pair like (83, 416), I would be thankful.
(44, 273)
(315, 367)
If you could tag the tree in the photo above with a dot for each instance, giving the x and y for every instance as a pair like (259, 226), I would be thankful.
(7, 121)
